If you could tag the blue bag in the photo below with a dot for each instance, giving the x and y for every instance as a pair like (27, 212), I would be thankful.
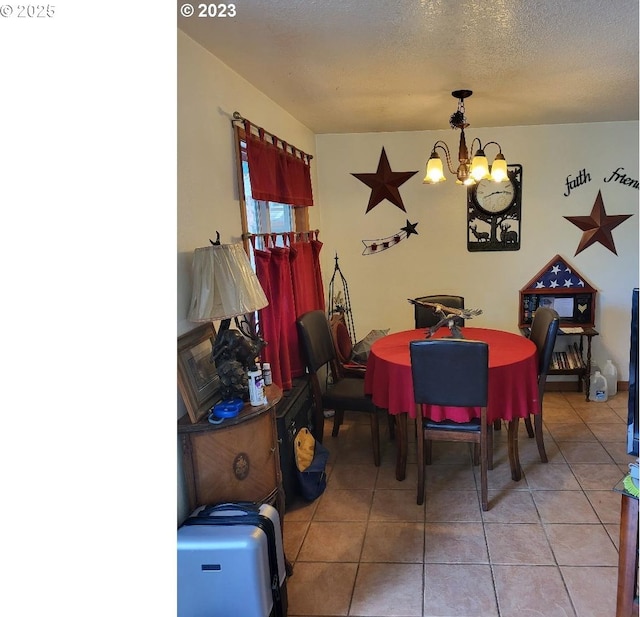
(311, 464)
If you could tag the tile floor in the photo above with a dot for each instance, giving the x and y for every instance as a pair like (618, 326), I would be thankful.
(546, 547)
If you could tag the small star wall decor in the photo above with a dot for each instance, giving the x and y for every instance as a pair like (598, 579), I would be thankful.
(597, 227)
(410, 228)
(384, 183)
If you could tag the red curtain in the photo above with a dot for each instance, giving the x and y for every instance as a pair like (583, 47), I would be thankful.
(292, 281)
(275, 173)
(307, 277)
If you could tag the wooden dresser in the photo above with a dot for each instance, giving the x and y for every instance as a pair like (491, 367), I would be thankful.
(237, 460)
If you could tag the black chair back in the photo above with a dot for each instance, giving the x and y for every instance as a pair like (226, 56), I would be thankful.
(425, 316)
(544, 329)
(450, 372)
(316, 340)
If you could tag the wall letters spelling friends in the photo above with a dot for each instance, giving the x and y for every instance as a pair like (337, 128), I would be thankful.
(618, 176)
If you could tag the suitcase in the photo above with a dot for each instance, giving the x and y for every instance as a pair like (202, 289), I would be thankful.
(231, 562)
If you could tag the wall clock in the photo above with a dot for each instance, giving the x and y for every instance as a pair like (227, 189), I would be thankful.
(494, 212)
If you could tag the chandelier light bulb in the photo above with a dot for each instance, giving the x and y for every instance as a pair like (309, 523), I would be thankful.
(435, 173)
(499, 168)
(480, 166)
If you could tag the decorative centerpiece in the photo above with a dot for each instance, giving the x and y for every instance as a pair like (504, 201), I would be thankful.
(449, 315)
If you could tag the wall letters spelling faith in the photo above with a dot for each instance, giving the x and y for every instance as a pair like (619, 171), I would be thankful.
(618, 176)
(582, 178)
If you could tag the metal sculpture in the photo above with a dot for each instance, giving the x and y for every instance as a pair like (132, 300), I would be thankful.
(448, 317)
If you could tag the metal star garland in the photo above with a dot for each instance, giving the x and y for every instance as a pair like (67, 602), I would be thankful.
(597, 226)
(382, 244)
(384, 183)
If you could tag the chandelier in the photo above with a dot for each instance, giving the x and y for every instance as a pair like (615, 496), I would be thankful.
(469, 171)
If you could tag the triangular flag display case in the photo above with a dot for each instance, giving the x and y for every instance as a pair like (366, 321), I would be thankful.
(563, 288)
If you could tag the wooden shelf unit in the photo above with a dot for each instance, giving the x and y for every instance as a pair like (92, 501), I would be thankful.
(561, 287)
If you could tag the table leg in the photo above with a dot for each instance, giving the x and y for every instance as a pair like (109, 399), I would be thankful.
(514, 457)
(627, 556)
(401, 445)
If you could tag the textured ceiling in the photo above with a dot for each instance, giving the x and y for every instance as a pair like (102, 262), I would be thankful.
(376, 65)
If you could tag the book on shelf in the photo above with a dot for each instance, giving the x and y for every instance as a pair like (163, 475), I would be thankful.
(567, 360)
(579, 362)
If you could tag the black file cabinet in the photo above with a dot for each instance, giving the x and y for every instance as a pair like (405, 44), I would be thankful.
(293, 412)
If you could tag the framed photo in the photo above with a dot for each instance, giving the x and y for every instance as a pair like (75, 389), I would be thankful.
(198, 380)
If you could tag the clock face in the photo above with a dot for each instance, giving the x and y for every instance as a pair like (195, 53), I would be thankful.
(494, 197)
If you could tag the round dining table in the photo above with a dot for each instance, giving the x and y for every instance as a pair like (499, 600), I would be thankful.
(512, 394)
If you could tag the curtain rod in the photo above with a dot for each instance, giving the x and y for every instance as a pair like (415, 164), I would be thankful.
(297, 235)
(238, 117)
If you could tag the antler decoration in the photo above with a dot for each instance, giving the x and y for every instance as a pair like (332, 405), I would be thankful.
(448, 317)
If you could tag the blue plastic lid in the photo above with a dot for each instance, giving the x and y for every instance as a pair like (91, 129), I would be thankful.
(227, 409)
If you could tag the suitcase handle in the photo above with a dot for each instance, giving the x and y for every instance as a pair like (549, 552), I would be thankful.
(246, 507)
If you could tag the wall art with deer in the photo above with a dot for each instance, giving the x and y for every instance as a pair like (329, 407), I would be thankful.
(494, 213)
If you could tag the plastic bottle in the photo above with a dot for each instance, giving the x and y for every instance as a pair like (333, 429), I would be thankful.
(611, 375)
(266, 373)
(598, 388)
(257, 394)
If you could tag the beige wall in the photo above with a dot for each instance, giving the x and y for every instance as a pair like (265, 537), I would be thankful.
(437, 260)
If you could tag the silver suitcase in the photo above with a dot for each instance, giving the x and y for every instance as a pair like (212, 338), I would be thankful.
(224, 566)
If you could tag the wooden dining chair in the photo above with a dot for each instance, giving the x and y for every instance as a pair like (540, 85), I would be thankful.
(544, 329)
(344, 393)
(425, 316)
(451, 373)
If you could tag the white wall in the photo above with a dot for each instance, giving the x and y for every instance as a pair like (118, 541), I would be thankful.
(437, 260)
(208, 94)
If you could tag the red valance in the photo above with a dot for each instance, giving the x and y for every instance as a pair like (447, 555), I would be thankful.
(276, 173)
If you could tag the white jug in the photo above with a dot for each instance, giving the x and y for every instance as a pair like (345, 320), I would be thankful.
(611, 374)
(598, 388)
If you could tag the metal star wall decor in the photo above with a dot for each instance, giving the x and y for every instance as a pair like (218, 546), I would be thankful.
(597, 226)
(384, 183)
(371, 247)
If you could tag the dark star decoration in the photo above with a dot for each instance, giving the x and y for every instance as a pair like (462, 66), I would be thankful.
(597, 226)
(384, 183)
(410, 228)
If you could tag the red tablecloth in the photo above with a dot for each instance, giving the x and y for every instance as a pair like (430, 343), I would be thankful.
(513, 381)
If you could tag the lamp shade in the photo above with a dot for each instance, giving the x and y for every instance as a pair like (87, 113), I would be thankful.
(480, 166)
(224, 284)
(499, 168)
(435, 172)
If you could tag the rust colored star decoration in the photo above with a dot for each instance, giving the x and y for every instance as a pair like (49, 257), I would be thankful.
(384, 183)
(597, 226)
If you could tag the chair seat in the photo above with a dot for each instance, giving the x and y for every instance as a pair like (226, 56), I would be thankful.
(348, 393)
(449, 425)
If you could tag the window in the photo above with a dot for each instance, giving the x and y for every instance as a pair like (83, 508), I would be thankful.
(263, 217)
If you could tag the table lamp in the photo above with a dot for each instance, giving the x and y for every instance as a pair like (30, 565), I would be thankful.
(225, 287)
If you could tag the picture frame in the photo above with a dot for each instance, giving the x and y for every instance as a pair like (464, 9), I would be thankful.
(198, 379)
